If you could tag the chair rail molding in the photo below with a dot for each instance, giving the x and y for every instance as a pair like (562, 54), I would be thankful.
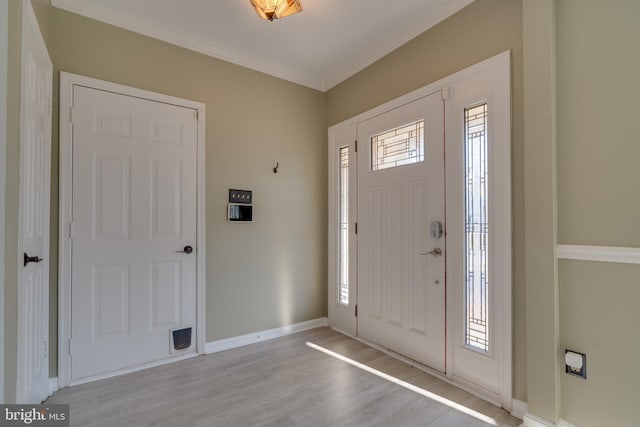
(599, 253)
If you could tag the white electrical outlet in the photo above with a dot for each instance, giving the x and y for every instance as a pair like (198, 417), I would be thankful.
(575, 364)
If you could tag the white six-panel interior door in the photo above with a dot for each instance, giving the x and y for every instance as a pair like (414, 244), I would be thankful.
(401, 267)
(133, 215)
(35, 179)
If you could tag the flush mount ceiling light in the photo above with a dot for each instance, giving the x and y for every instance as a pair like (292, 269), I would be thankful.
(275, 9)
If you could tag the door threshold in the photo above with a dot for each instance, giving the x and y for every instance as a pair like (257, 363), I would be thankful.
(133, 369)
(458, 382)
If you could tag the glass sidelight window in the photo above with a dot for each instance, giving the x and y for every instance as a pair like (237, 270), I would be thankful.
(343, 291)
(476, 216)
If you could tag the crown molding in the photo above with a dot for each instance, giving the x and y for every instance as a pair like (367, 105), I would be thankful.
(109, 16)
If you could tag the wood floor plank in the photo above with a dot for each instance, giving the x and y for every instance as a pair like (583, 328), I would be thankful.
(282, 382)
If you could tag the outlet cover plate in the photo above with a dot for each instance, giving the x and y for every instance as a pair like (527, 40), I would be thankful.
(582, 372)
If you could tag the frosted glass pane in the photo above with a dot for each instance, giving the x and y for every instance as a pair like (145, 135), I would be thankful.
(476, 229)
(343, 290)
(399, 146)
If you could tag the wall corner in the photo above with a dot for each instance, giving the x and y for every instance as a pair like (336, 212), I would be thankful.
(542, 296)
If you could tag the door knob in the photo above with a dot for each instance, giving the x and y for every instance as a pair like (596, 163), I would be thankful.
(28, 259)
(435, 252)
(185, 250)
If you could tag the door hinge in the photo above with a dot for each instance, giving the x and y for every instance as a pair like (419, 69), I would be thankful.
(356, 228)
(71, 230)
(356, 310)
(70, 347)
(356, 141)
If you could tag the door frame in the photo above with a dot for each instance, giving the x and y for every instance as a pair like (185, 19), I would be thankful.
(31, 28)
(67, 83)
(344, 134)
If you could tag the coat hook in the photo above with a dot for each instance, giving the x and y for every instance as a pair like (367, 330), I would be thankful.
(275, 169)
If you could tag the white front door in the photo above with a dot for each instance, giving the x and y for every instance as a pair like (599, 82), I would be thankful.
(392, 196)
(35, 179)
(134, 222)
(401, 251)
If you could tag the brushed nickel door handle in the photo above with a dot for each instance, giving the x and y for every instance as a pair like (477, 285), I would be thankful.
(435, 252)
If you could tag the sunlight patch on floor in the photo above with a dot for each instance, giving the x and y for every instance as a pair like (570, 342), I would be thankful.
(453, 405)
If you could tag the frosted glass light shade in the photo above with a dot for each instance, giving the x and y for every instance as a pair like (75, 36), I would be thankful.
(275, 9)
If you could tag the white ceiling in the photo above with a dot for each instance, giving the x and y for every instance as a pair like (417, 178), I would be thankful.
(319, 48)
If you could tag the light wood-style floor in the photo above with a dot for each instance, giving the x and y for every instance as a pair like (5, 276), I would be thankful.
(314, 378)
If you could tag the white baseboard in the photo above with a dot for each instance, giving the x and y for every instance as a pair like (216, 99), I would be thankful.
(269, 334)
(519, 408)
(53, 385)
(530, 420)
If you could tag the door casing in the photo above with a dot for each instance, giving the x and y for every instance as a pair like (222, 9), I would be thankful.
(342, 318)
(67, 82)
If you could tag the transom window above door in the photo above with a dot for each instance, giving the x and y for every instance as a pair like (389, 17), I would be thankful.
(399, 146)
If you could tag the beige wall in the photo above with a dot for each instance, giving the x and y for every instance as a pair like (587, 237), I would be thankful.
(599, 204)
(44, 15)
(541, 282)
(480, 31)
(260, 275)
(599, 316)
(598, 111)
